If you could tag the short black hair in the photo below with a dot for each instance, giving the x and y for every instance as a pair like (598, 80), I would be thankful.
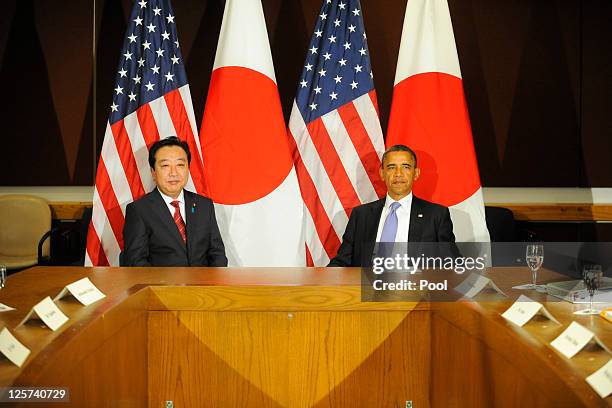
(169, 141)
(399, 148)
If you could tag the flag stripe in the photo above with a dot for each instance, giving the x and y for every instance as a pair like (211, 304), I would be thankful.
(186, 97)
(94, 248)
(347, 146)
(309, 261)
(196, 153)
(112, 209)
(312, 164)
(140, 150)
(103, 227)
(368, 113)
(370, 160)
(318, 252)
(374, 100)
(126, 155)
(332, 164)
(322, 224)
(147, 124)
(87, 258)
(163, 120)
(180, 119)
(115, 173)
(165, 126)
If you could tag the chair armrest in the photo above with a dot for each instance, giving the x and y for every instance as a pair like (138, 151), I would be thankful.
(41, 242)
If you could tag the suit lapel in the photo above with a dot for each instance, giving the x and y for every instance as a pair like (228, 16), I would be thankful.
(417, 218)
(161, 210)
(372, 226)
(190, 214)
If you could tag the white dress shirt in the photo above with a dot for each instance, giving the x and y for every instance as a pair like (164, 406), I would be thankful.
(180, 199)
(403, 218)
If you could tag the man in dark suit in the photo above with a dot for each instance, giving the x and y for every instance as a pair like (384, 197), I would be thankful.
(171, 226)
(399, 217)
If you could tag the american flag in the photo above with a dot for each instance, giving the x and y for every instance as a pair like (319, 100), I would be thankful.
(335, 130)
(151, 100)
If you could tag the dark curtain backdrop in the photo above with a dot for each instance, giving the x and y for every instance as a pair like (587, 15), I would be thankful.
(537, 77)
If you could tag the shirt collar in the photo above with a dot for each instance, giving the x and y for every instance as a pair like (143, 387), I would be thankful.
(169, 199)
(404, 202)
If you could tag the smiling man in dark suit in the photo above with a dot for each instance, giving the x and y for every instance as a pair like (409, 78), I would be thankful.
(171, 226)
(399, 217)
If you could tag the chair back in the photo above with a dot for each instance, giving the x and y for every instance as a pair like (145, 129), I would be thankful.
(24, 219)
(501, 224)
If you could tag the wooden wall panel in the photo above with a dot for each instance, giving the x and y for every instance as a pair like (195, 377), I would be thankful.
(299, 359)
(470, 374)
(536, 88)
(120, 365)
(596, 91)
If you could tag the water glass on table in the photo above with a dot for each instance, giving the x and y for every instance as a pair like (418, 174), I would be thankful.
(534, 256)
(2, 276)
(591, 276)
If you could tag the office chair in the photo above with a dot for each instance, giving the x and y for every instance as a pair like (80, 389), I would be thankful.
(508, 240)
(25, 224)
(501, 224)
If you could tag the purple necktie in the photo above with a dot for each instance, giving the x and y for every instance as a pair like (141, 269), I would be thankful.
(389, 230)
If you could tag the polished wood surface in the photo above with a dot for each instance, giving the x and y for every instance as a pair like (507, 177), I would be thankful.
(522, 212)
(69, 210)
(559, 211)
(291, 337)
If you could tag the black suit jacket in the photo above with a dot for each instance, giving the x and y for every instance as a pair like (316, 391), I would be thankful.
(429, 222)
(151, 238)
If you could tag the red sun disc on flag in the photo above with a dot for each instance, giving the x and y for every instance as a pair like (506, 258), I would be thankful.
(430, 116)
(244, 140)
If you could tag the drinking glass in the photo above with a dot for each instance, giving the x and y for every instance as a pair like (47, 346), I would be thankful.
(534, 257)
(591, 276)
(2, 276)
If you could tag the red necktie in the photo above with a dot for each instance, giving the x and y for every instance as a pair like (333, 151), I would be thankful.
(178, 220)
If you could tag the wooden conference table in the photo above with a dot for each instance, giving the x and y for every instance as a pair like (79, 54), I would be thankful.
(293, 337)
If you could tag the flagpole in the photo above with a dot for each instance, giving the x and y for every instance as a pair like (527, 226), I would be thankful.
(95, 138)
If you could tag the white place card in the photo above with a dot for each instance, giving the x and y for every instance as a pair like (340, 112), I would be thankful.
(48, 312)
(524, 309)
(474, 284)
(573, 339)
(601, 380)
(83, 290)
(5, 308)
(12, 348)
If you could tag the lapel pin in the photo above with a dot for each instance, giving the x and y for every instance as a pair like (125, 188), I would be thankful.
(420, 215)
(193, 207)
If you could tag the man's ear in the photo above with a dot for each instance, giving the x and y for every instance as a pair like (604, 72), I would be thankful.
(380, 173)
(417, 173)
